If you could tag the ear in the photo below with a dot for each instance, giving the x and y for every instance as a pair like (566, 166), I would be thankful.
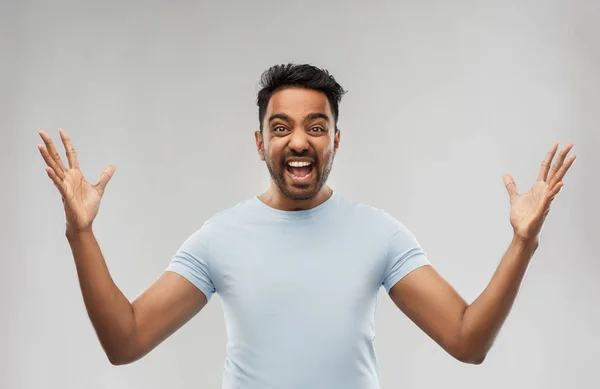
(258, 137)
(336, 140)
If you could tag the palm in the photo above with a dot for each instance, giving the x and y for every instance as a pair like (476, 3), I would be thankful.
(528, 210)
(81, 199)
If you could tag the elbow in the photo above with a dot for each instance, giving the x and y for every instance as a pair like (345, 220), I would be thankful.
(116, 360)
(119, 341)
(472, 354)
(471, 359)
(120, 356)
(120, 359)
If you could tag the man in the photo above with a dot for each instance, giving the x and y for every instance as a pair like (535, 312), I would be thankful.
(298, 268)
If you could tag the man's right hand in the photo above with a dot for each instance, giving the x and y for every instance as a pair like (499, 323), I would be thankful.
(127, 330)
(80, 198)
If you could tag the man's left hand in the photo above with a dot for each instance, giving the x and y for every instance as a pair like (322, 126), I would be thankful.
(528, 210)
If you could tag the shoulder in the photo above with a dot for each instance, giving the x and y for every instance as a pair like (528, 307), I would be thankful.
(374, 217)
(220, 221)
(231, 215)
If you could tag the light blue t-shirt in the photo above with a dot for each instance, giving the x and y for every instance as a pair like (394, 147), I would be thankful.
(299, 289)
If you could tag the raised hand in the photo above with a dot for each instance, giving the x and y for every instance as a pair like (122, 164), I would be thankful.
(528, 211)
(80, 198)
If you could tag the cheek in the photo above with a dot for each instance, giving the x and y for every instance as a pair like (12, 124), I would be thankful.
(273, 153)
(328, 151)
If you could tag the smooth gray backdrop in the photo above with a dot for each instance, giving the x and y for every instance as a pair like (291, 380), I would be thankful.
(444, 98)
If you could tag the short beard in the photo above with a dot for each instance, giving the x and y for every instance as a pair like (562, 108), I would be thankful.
(279, 181)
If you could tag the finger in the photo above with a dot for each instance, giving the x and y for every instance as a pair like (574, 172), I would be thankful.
(545, 167)
(560, 174)
(552, 193)
(51, 162)
(70, 150)
(510, 185)
(105, 177)
(52, 150)
(60, 184)
(559, 161)
(555, 190)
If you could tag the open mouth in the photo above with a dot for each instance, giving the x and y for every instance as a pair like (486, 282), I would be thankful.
(299, 171)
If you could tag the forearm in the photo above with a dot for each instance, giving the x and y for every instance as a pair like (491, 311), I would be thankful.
(483, 318)
(109, 310)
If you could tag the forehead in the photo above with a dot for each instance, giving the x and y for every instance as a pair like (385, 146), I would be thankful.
(298, 102)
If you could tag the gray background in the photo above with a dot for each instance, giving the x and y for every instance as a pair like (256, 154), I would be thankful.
(444, 98)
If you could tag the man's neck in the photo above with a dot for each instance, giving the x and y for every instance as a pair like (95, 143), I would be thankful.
(274, 198)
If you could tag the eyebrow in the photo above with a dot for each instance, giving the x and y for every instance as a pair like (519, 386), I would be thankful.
(309, 117)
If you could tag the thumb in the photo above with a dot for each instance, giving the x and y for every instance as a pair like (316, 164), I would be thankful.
(510, 185)
(105, 176)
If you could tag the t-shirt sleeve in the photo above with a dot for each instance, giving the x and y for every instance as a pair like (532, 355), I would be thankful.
(404, 255)
(192, 259)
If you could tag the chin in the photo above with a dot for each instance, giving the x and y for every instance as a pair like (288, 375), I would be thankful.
(297, 188)
(300, 193)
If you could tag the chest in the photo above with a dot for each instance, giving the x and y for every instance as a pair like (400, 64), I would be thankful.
(254, 268)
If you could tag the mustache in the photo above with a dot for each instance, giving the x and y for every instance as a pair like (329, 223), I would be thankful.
(304, 155)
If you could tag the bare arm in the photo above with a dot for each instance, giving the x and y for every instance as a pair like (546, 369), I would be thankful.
(467, 331)
(128, 331)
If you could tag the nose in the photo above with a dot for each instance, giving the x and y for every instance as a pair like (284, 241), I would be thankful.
(298, 141)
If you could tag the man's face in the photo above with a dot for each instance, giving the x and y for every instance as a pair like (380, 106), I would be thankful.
(298, 141)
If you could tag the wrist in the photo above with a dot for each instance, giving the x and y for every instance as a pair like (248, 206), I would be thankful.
(526, 242)
(75, 234)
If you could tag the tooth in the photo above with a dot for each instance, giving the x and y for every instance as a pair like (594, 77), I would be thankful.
(298, 164)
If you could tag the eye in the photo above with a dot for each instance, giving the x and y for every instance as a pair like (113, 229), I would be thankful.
(317, 129)
(279, 128)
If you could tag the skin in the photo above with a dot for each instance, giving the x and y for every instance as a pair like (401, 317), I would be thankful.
(126, 330)
(468, 331)
(298, 123)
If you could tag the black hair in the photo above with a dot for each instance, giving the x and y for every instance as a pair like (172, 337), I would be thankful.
(298, 75)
